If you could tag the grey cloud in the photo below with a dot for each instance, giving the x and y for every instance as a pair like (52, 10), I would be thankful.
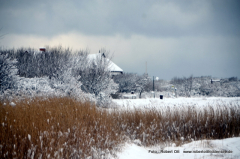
(215, 56)
(148, 18)
(177, 38)
(226, 17)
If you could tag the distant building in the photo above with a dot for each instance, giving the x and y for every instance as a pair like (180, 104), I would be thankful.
(129, 96)
(43, 49)
(215, 80)
(115, 69)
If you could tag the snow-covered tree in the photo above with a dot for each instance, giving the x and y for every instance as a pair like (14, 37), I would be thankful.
(188, 85)
(8, 72)
(96, 78)
(141, 82)
(132, 82)
(104, 98)
(126, 82)
(67, 84)
(35, 87)
(184, 85)
(32, 63)
(79, 62)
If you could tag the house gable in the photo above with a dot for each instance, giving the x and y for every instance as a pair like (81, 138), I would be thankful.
(115, 69)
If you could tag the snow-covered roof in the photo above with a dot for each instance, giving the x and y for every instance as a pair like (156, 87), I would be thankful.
(112, 66)
(215, 80)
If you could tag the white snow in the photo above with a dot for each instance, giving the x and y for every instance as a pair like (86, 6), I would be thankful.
(112, 66)
(199, 149)
(226, 148)
(156, 102)
(12, 104)
(29, 137)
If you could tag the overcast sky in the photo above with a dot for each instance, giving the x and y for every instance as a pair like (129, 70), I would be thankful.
(175, 37)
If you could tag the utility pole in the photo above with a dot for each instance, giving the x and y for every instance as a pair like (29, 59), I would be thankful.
(175, 92)
(153, 87)
(146, 67)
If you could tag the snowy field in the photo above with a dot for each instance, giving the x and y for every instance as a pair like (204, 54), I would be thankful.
(158, 103)
(207, 149)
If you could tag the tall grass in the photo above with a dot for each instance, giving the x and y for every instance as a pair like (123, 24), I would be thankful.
(55, 128)
(61, 127)
(180, 124)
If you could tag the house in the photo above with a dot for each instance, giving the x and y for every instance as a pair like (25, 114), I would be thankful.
(215, 80)
(115, 69)
(129, 96)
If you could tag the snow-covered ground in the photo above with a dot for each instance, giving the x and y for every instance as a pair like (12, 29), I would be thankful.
(156, 102)
(205, 149)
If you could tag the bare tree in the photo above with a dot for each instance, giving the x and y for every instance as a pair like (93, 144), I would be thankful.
(132, 82)
(184, 85)
(32, 63)
(126, 82)
(141, 82)
(188, 85)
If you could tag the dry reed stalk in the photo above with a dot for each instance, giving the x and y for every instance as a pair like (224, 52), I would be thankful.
(61, 127)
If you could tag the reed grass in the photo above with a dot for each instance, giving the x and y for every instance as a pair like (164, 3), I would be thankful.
(61, 127)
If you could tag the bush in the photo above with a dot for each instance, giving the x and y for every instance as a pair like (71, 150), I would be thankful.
(8, 72)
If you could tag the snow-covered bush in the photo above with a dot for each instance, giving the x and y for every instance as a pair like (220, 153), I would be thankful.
(58, 71)
(34, 87)
(8, 72)
(64, 85)
(68, 85)
(104, 98)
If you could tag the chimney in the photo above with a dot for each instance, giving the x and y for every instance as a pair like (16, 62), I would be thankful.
(43, 49)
